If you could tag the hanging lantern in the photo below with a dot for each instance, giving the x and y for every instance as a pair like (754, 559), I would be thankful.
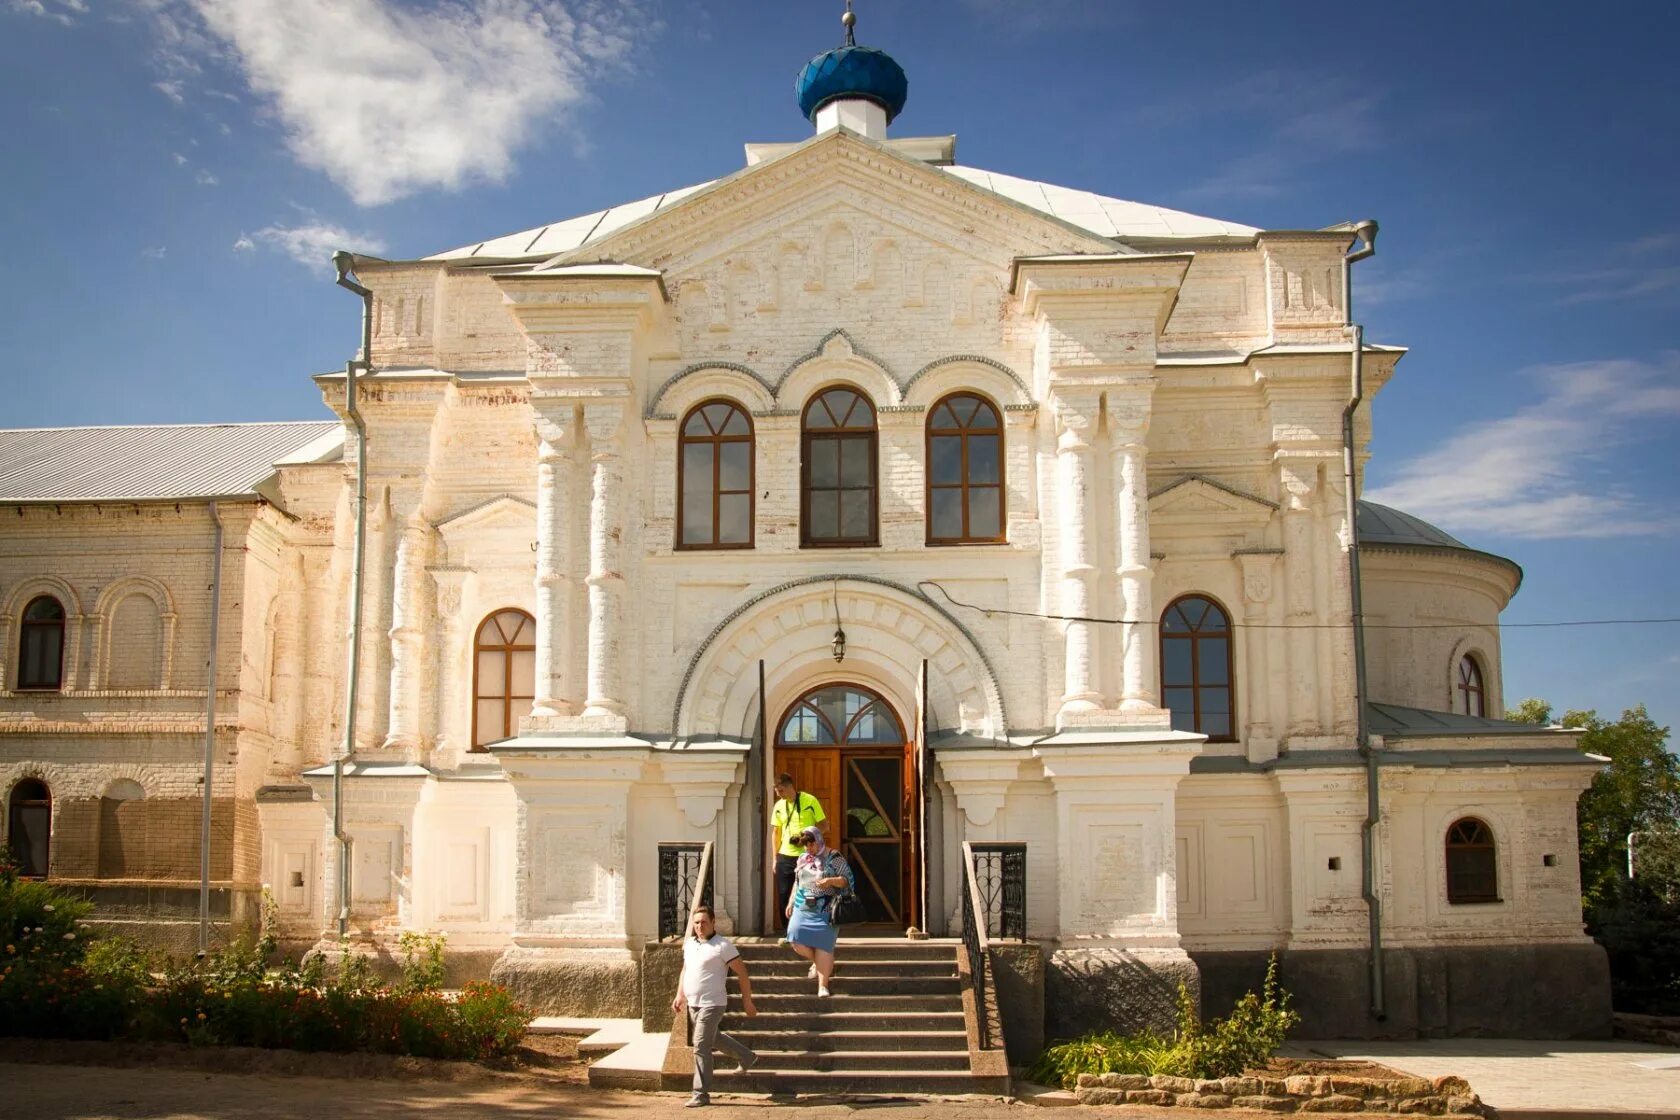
(839, 644)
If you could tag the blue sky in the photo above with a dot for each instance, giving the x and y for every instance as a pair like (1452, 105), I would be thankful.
(175, 173)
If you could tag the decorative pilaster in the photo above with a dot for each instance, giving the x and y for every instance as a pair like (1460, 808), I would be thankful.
(605, 697)
(408, 636)
(1076, 415)
(1128, 419)
(376, 585)
(557, 447)
(1300, 617)
(1258, 734)
(446, 720)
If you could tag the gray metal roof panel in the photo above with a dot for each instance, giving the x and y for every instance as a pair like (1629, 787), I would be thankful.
(148, 462)
(1396, 721)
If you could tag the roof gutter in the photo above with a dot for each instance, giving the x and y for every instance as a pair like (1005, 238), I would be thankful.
(209, 778)
(1366, 244)
(344, 263)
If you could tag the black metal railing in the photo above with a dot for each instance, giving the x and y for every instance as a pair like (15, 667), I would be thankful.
(1001, 872)
(976, 943)
(685, 881)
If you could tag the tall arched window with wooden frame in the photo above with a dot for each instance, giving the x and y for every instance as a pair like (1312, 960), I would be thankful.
(1470, 694)
(715, 477)
(504, 675)
(965, 471)
(1472, 862)
(41, 646)
(837, 470)
(1196, 668)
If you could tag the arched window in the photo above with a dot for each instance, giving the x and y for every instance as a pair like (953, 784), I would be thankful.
(1196, 667)
(839, 715)
(965, 471)
(837, 470)
(504, 675)
(1472, 870)
(29, 827)
(123, 848)
(41, 646)
(133, 646)
(715, 477)
(1469, 698)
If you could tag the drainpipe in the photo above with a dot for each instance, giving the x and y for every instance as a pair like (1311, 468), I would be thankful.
(363, 362)
(1366, 232)
(209, 739)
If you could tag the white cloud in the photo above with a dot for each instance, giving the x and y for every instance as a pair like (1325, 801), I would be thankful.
(312, 243)
(155, 252)
(47, 11)
(180, 160)
(171, 90)
(205, 179)
(1544, 470)
(387, 99)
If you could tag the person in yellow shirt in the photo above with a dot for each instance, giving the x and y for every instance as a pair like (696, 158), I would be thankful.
(794, 812)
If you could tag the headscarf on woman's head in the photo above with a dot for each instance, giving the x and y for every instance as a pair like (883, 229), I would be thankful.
(814, 854)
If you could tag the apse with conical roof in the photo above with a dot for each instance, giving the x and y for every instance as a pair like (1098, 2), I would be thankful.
(859, 88)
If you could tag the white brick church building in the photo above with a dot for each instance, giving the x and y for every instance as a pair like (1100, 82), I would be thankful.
(995, 511)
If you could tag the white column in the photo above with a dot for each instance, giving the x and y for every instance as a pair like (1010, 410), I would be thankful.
(1076, 414)
(606, 560)
(408, 634)
(1300, 617)
(376, 583)
(557, 439)
(1128, 418)
(450, 709)
(1255, 702)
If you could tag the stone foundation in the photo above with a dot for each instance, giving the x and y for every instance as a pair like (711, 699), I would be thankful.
(1123, 990)
(587, 983)
(164, 916)
(1018, 977)
(1512, 991)
(1444, 1096)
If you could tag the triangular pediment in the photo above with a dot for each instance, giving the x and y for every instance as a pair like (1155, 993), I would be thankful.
(502, 512)
(1194, 498)
(831, 179)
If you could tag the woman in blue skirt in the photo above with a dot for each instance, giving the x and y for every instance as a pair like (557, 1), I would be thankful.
(821, 877)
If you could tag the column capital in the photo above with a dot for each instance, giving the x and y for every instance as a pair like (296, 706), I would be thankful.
(604, 420)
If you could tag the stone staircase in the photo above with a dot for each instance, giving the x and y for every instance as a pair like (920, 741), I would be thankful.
(894, 1024)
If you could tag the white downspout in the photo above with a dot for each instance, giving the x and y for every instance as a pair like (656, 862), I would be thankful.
(209, 738)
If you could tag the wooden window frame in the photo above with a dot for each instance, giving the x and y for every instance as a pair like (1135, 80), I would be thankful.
(964, 486)
(507, 651)
(806, 438)
(1473, 684)
(1196, 638)
(716, 442)
(26, 628)
(1479, 838)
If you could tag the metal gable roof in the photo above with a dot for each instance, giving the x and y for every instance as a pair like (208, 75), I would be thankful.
(155, 462)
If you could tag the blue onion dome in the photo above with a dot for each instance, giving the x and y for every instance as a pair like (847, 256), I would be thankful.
(852, 71)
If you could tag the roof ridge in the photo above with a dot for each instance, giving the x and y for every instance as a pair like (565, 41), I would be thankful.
(142, 427)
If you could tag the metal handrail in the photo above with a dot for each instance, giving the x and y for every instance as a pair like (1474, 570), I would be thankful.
(674, 882)
(976, 943)
(702, 885)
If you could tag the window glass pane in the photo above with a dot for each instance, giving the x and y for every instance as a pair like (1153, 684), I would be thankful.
(1175, 662)
(1217, 700)
(1473, 705)
(697, 466)
(942, 418)
(520, 709)
(491, 672)
(524, 673)
(1182, 701)
(946, 520)
(1214, 619)
(44, 609)
(490, 725)
(855, 524)
(1193, 610)
(825, 515)
(697, 513)
(825, 462)
(854, 462)
(1217, 726)
(945, 459)
(983, 502)
(734, 519)
(717, 415)
(734, 465)
(1173, 621)
(963, 408)
(985, 416)
(695, 425)
(982, 458)
(737, 424)
(527, 635)
(1211, 661)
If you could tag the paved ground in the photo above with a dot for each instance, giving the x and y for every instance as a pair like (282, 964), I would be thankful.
(1535, 1079)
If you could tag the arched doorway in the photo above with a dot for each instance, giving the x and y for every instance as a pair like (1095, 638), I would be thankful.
(846, 745)
(29, 827)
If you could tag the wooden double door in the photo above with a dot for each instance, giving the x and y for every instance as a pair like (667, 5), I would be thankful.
(845, 746)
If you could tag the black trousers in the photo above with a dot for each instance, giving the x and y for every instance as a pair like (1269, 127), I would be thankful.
(784, 886)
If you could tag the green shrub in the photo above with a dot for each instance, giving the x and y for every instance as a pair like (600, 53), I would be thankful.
(1244, 1039)
(422, 960)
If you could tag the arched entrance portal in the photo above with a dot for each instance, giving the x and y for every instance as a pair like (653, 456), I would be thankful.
(845, 744)
(29, 827)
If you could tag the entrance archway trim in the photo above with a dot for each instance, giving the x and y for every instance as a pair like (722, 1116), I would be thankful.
(965, 641)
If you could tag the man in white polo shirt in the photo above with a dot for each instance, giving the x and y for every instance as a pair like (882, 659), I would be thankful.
(704, 993)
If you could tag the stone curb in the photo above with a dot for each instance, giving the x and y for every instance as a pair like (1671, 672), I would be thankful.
(1443, 1096)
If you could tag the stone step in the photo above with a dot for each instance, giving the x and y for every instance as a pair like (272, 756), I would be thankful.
(815, 1042)
(860, 1083)
(872, 1021)
(794, 967)
(863, 1061)
(859, 985)
(860, 951)
(911, 1006)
